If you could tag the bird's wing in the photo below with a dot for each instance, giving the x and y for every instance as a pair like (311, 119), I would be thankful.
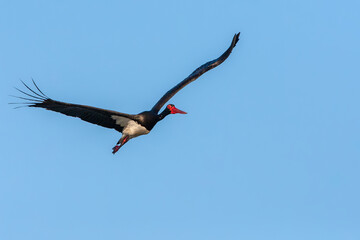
(197, 73)
(102, 117)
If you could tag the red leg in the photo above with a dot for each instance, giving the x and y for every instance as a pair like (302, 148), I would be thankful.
(117, 147)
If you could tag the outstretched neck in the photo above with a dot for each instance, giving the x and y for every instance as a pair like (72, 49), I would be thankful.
(163, 114)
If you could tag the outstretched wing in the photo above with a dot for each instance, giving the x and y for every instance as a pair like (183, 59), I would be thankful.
(101, 117)
(197, 73)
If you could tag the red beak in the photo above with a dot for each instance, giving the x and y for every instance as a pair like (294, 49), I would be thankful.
(175, 110)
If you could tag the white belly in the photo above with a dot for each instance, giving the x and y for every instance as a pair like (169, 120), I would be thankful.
(130, 127)
(133, 129)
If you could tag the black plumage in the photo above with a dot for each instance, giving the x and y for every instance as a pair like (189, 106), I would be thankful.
(130, 125)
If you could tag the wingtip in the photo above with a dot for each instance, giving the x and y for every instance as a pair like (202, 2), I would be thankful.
(235, 39)
(32, 97)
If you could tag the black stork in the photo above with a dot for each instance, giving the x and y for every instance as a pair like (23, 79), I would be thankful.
(130, 125)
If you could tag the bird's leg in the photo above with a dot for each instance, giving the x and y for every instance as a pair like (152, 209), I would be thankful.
(120, 143)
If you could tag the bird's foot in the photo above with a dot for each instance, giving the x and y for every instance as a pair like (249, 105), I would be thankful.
(120, 143)
(116, 148)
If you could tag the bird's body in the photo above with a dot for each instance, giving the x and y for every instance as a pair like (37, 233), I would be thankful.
(132, 128)
(130, 125)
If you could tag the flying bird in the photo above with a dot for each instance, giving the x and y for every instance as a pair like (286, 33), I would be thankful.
(130, 125)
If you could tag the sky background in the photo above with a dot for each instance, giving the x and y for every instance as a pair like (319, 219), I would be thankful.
(269, 148)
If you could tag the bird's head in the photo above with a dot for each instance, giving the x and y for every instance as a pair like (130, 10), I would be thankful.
(170, 109)
(173, 109)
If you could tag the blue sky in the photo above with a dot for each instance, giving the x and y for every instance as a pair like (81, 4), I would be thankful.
(269, 148)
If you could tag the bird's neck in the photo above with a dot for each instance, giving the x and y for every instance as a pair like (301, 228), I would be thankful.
(163, 114)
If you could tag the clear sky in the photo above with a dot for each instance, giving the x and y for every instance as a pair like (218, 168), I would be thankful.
(269, 148)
